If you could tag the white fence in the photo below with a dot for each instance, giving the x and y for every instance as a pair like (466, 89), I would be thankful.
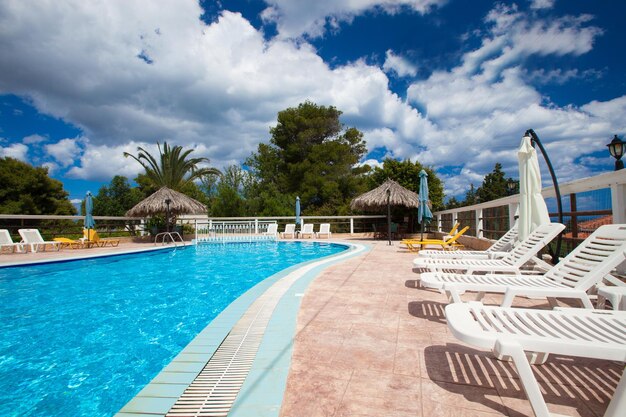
(233, 231)
(614, 181)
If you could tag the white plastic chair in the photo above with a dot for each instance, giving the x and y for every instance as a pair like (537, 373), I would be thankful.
(572, 277)
(7, 242)
(510, 332)
(512, 262)
(290, 230)
(33, 238)
(499, 249)
(324, 230)
(272, 230)
(307, 230)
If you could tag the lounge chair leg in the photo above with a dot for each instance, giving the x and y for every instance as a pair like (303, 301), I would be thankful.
(531, 387)
(480, 295)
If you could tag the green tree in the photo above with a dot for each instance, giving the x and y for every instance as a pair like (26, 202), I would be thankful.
(406, 173)
(227, 193)
(493, 186)
(173, 168)
(116, 198)
(470, 197)
(453, 203)
(29, 190)
(310, 154)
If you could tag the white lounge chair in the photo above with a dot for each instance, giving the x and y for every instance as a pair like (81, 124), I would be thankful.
(307, 230)
(272, 230)
(572, 277)
(499, 249)
(33, 238)
(324, 230)
(510, 332)
(6, 242)
(512, 262)
(290, 230)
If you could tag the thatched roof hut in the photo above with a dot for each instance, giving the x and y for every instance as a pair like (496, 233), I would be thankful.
(155, 204)
(376, 199)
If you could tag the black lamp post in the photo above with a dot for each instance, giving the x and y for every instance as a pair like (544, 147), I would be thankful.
(167, 214)
(534, 140)
(511, 186)
(616, 148)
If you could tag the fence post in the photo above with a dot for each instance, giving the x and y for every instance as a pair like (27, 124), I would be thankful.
(618, 196)
(351, 226)
(512, 209)
(195, 227)
(479, 223)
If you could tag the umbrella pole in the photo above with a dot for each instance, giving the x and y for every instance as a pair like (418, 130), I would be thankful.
(422, 235)
(557, 191)
(389, 215)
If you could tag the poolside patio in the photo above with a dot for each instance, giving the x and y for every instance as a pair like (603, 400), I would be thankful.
(370, 342)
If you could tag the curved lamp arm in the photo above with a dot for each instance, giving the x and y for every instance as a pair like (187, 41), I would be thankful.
(535, 140)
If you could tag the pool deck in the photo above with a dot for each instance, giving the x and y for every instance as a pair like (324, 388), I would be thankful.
(369, 342)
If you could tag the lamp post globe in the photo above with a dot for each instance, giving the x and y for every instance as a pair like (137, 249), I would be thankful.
(616, 149)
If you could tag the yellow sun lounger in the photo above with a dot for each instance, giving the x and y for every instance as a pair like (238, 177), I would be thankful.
(415, 245)
(69, 243)
(92, 237)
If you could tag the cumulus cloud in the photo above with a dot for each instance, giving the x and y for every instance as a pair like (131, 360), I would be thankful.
(398, 65)
(33, 139)
(295, 18)
(213, 85)
(16, 151)
(64, 151)
(486, 103)
(542, 4)
(129, 74)
(52, 167)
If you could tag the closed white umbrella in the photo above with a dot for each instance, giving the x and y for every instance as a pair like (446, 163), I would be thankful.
(533, 211)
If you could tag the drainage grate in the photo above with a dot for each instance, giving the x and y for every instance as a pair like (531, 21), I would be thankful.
(214, 390)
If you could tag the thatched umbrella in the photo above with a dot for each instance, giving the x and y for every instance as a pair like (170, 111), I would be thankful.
(167, 201)
(388, 194)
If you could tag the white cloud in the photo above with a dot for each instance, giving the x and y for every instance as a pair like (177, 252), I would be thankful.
(52, 167)
(16, 151)
(399, 65)
(33, 139)
(542, 4)
(296, 18)
(65, 151)
(217, 87)
(374, 163)
(559, 76)
(482, 107)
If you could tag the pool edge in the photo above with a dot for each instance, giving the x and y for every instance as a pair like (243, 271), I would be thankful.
(160, 394)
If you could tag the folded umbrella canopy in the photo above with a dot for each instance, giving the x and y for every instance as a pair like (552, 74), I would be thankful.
(533, 211)
(424, 215)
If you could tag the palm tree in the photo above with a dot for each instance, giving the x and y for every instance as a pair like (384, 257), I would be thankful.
(173, 169)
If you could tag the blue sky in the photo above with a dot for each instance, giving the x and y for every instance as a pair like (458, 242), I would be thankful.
(453, 84)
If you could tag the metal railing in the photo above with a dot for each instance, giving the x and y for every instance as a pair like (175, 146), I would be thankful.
(493, 218)
(233, 231)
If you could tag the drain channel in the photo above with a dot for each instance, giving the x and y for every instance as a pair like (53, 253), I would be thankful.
(213, 392)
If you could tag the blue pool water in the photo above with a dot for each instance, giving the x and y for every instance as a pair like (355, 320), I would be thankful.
(81, 338)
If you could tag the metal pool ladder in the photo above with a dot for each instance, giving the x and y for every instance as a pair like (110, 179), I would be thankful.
(165, 235)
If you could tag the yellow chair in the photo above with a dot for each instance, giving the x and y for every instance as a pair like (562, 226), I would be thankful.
(70, 243)
(416, 244)
(91, 237)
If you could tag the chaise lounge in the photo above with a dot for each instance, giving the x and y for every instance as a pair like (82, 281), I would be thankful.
(580, 270)
(512, 332)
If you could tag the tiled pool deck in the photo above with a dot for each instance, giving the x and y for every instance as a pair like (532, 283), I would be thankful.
(369, 342)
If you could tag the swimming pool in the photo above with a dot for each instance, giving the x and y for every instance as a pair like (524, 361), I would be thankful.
(83, 337)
